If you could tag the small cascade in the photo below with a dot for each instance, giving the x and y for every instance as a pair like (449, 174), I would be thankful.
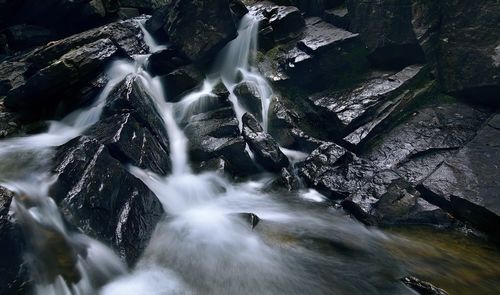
(61, 262)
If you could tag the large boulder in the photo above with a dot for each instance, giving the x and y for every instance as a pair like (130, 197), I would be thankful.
(285, 22)
(266, 151)
(214, 133)
(199, 29)
(248, 96)
(467, 184)
(44, 87)
(386, 28)
(180, 81)
(421, 142)
(57, 72)
(322, 55)
(469, 55)
(98, 195)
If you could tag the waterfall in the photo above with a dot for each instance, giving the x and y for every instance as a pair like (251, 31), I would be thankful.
(205, 245)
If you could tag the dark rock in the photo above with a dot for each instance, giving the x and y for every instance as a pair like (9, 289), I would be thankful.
(199, 29)
(402, 204)
(250, 218)
(130, 96)
(68, 71)
(466, 184)
(216, 134)
(26, 36)
(469, 56)
(266, 151)
(249, 98)
(287, 180)
(323, 55)
(284, 127)
(131, 142)
(286, 21)
(146, 6)
(347, 109)
(165, 61)
(97, 194)
(338, 17)
(128, 12)
(339, 174)
(423, 288)
(238, 8)
(218, 165)
(13, 273)
(180, 81)
(12, 75)
(126, 36)
(386, 29)
(417, 146)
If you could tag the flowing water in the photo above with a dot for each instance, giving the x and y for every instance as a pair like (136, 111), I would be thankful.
(205, 245)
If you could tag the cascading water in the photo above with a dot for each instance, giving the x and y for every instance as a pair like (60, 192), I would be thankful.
(205, 245)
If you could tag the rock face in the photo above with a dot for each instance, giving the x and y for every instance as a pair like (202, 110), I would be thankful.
(469, 59)
(417, 146)
(348, 109)
(323, 54)
(249, 97)
(467, 183)
(199, 29)
(386, 29)
(285, 22)
(266, 151)
(180, 81)
(12, 268)
(214, 133)
(98, 195)
(94, 188)
(55, 73)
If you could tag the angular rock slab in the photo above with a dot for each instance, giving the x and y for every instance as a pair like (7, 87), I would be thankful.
(417, 146)
(348, 109)
(216, 134)
(98, 195)
(467, 184)
(266, 151)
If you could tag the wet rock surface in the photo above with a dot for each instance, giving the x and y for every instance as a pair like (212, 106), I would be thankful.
(249, 98)
(215, 133)
(386, 29)
(466, 184)
(199, 28)
(14, 273)
(98, 195)
(423, 287)
(266, 151)
(348, 109)
(54, 74)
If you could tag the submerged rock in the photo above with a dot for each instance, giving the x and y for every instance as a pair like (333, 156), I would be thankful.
(423, 288)
(266, 151)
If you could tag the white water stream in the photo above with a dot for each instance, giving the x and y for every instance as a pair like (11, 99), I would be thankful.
(205, 246)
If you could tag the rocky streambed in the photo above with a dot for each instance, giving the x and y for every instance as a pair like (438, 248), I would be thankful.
(228, 147)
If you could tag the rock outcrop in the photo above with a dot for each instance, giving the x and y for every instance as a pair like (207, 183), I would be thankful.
(266, 151)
